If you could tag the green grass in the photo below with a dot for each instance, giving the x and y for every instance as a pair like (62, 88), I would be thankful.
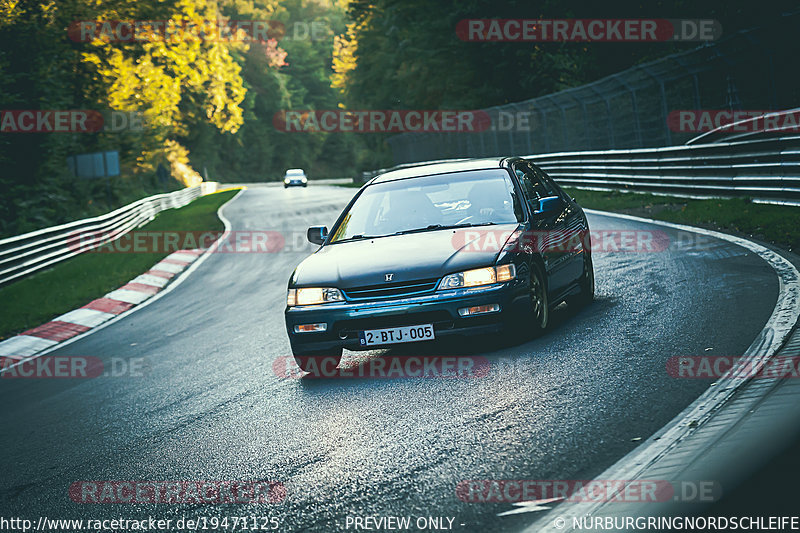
(75, 282)
(776, 224)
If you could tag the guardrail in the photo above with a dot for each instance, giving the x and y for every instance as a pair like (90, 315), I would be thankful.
(766, 170)
(762, 165)
(28, 253)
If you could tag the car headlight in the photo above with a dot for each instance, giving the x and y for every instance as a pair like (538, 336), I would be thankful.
(478, 277)
(313, 296)
(304, 179)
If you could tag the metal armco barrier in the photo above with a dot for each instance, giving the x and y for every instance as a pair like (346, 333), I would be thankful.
(766, 170)
(28, 253)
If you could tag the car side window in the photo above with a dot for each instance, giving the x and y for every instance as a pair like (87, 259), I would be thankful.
(533, 186)
(547, 181)
(518, 211)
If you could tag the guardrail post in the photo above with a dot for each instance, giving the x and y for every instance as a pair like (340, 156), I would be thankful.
(635, 107)
(664, 112)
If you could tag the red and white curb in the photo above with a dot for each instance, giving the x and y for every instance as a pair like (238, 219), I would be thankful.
(26, 345)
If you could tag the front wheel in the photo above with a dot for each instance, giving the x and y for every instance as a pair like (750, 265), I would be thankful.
(319, 363)
(585, 284)
(539, 302)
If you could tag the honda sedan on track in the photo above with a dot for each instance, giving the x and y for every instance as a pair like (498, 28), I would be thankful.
(458, 248)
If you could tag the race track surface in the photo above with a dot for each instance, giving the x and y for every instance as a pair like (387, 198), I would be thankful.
(209, 405)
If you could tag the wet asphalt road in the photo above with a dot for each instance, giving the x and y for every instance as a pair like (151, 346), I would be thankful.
(210, 407)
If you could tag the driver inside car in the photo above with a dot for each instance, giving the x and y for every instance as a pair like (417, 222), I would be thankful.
(488, 202)
(410, 205)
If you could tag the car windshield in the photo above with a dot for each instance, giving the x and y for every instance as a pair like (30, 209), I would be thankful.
(294, 172)
(429, 203)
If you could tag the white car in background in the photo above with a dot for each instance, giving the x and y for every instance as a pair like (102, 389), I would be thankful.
(295, 177)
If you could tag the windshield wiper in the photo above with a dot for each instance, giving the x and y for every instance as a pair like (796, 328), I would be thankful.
(472, 224)
(433, 227)
(358, 238)
(417, 230)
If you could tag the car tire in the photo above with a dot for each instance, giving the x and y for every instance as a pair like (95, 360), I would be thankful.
(585, 284)
(533, 317)
(538, 301)
(285, 186)
(305, 185)
(315, 362)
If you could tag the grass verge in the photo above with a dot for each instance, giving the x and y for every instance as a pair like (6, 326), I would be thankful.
(75, 282)
(776, 224)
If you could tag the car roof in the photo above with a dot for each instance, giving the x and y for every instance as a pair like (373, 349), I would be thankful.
(454, 165)
(294, 170)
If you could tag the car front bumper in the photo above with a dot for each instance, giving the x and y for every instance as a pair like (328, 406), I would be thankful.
(346, 319)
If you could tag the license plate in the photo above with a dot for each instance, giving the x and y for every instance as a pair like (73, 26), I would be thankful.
(372, 337)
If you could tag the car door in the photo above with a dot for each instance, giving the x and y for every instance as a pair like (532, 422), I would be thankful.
(547, 229)
(575, 230)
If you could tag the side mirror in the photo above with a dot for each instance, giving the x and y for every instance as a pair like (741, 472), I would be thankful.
(549, 205)
(317, 234)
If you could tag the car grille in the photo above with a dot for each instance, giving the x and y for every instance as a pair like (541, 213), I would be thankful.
(391, 290)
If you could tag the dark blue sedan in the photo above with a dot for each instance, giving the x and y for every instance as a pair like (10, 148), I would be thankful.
(425, 252)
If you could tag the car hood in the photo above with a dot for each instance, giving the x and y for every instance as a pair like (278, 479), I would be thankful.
(415, 256)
